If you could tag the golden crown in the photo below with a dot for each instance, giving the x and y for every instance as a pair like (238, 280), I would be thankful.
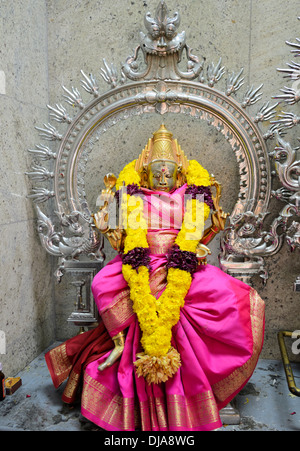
(162, 147)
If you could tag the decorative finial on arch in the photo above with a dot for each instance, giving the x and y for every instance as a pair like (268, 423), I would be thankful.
(162, 26)
(162, 40)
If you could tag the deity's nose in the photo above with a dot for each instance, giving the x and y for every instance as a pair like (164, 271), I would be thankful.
(163, 179)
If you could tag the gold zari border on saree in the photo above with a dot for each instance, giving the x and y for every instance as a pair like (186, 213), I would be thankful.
(60, 363)
(72, 386)
(172, 412)
(121, 309)
(176, 412)
(102, 403)
(226, 387)
(118, 313)
(160, 243)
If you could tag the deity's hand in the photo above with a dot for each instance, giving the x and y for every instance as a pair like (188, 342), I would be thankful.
(219, 219)
(101, 219)
(119, 341)
(106, 198)
(218, 216)
(116, 238)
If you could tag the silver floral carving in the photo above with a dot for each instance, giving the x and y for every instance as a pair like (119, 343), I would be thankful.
(40, 195)
(296, 46)
(234, 83)
(59, 113)
(252, 96)
(293, 72)
(266, 113)
(111, 75)
(286, 157)
(245, 238)
(73, 97)
(49, 133)
(290, 95)
(162, 48)
(90, 84)
(42, 152)
(73, 239)
(215, 73)
(287, 119)
(39, 173)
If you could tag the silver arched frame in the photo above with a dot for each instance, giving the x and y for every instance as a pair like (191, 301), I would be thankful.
(190, 98)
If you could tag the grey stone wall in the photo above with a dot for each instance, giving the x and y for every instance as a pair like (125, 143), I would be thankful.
(26, 307)
(46, 45)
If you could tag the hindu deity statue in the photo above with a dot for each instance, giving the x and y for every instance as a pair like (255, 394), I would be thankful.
(178, 338)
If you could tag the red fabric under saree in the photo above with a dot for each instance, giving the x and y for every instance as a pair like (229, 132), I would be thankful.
(219, 337)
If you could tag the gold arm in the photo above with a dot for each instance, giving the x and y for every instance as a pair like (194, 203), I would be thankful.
(218, 216)
(218, 219)
(119, 342)
(101, 218)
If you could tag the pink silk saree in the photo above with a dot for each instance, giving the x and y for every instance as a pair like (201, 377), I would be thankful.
(219, 337)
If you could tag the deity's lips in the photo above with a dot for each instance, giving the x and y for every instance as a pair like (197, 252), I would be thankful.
(162, 188)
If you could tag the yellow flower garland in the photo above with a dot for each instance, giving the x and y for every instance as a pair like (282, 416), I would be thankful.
(158, 316)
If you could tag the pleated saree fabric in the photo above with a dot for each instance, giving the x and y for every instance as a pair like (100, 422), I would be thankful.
(219, 337)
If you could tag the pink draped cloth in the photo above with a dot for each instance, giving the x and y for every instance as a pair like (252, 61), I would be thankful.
(219, 337)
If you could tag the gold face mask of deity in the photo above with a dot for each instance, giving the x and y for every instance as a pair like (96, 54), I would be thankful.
(162, 175)
(162, 164)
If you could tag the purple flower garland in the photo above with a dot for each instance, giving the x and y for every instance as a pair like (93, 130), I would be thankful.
(130, 189)
(137, 257)
(176, 258)
(187, 261)
(204, 191)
